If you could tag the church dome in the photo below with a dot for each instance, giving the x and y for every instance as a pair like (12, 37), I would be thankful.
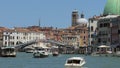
(82, 20)
(112, 7)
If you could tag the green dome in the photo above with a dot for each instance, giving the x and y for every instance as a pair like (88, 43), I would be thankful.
(112, 7)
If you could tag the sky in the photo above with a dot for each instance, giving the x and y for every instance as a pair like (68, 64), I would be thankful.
(51, 13)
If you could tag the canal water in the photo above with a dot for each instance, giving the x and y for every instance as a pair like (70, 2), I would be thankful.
(26, 60)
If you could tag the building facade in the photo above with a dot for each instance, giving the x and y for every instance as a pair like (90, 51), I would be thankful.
(108, 27)
(70, 39)
(19, 36)
(1, 35)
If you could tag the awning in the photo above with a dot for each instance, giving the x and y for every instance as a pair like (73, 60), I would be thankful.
(104, 46)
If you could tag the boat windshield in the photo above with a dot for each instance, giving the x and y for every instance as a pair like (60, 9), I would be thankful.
(9, 49)
(73, 61)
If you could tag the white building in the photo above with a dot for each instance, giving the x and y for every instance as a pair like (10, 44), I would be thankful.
(18, 36)
(92, 26)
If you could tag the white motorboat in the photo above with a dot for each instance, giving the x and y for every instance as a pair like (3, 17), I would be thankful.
(8, 52)
(40, 53)
(74, 62)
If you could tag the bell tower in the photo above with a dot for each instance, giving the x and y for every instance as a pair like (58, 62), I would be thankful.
(75, 17)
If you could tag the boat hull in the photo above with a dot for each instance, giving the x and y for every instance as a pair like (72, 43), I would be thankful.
(75, 62)
(8, 55)
(55, 54)
(39, 56)
(29, 51)
(72, 66)
(117, 54)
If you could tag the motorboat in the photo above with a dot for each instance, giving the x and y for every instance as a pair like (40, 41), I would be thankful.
(74, 62)
(29, 50)
(95, 54)
(40, 53)
(99, 53)
(55, 50)
(117, 54)
(8, 52)
(55, 53)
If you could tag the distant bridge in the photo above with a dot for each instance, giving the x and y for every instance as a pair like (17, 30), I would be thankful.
(21, 46)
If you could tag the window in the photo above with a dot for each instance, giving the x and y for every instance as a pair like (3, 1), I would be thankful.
(104, 42)
(5, 43)
(118, 31)
(92, 35)
(84, 31)
(5, 37)
(106, 24)
(99, 40)
(12, 43)
(91, 21)
(6, 32)
(17, 42)
(13, 37)
(74, 15)
(91, 28)
(92, 42)
(17, 37)
(84, 37)
(10, 37)
(101, 25)
(73, 61)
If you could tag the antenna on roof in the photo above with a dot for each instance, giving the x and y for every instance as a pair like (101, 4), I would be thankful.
(39, 22)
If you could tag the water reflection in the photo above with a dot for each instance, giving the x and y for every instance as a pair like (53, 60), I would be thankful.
(23, 60)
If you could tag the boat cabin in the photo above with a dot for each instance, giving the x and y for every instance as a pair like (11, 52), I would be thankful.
(74, 62)
(8, 51)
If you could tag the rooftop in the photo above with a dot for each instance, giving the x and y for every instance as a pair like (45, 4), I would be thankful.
(109, 16)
